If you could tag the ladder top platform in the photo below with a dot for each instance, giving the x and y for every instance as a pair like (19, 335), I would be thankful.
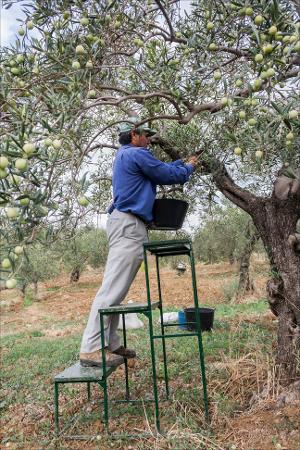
(129, 307)
(78, 373)
(169, 248)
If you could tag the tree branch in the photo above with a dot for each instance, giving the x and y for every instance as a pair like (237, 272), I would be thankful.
(161, 7)
(233, 51)
(166, 146)
(217, 106)
(140, 98)
(104, 145)
(239, 196)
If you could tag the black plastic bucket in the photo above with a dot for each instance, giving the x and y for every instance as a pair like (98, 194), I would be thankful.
(206, 318)
(169, 213)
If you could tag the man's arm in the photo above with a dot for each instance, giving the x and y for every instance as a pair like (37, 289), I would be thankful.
(160, 172)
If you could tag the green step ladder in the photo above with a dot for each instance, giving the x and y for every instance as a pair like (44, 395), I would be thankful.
(78, 374)
(161, 249)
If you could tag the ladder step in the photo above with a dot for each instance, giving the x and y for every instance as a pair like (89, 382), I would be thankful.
(169, 248)
(129, 308)
(77, 373)
(160, 336)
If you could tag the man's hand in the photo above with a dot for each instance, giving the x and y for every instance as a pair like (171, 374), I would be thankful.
(194, 160)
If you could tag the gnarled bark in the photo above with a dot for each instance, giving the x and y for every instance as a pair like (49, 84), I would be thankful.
(276, 220)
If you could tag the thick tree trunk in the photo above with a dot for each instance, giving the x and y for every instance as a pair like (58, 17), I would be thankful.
(210, 256)
(276, 221)
(246, 284)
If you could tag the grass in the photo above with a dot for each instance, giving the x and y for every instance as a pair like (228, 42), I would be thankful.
(227, 311)
(230, 289)
(31, 359)
(81, 285)
(53, 289)
(27, 301)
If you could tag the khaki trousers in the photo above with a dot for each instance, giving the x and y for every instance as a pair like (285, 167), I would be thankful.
(126, 235)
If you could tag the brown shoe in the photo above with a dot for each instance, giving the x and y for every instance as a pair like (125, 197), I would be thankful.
(94, 359)
(125, 352)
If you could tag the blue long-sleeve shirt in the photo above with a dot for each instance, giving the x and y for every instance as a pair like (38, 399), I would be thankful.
(136, 173)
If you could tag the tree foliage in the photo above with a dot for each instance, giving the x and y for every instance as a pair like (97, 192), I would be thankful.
(225, 71)
(86, 65)
(39, 264)
(222, 236)
(88, 246)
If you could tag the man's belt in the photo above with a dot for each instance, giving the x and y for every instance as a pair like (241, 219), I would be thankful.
(137, 216)
(140, 218)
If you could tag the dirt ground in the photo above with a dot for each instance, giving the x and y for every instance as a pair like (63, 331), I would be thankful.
(212, 281)
(264, 427)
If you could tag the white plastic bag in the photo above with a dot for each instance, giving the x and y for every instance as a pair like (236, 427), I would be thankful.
(131, 321)
(170, 317)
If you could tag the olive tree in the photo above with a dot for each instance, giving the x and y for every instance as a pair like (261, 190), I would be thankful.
(227, 70)
(84, 246)
(228, 233)
(39, 264)
(222, 235)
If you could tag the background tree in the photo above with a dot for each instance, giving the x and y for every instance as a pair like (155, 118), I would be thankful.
(227, 70)
(227, 234)
(246, 284)
(86, 246)
(40, 264)
(222, 236)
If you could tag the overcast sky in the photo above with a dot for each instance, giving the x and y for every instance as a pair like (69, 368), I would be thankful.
(9, 24)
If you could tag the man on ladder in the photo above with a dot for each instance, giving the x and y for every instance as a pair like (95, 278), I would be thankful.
(136, 174)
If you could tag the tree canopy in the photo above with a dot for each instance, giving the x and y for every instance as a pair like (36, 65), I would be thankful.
(228, 71)
(215, 78)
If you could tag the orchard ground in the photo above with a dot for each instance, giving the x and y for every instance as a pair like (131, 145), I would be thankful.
(41, 338)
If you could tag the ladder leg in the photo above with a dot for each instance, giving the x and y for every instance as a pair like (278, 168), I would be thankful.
(104, 375)
(152, 347)
(154, 378)
(56, 418)
(200, 345)
(127, 395)
(104, 386)
(89, 391)
(162, 329)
